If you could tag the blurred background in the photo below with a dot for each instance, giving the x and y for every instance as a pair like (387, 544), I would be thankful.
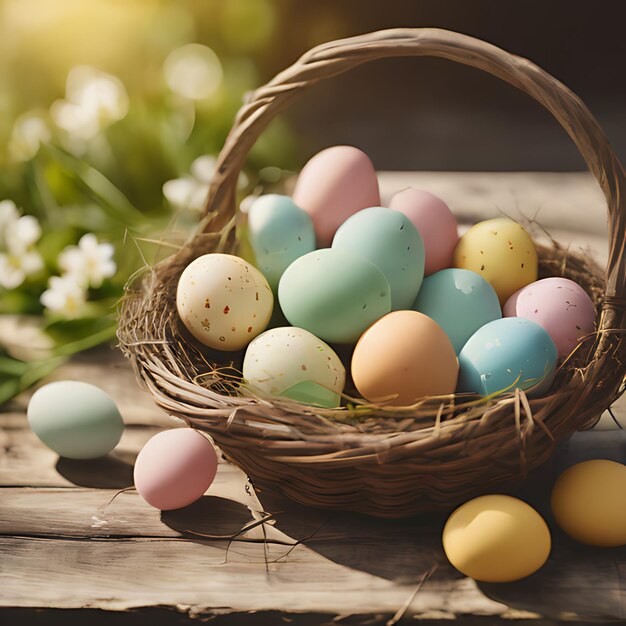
(112, 113)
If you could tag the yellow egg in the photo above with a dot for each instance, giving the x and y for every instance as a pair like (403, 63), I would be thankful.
(496, 539)
(500, 251)
(223, 301)
(589, 503)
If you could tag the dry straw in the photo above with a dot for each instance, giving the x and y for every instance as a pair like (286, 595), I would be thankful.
(379, 460)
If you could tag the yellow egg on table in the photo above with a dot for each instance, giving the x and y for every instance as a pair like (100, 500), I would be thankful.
(223, 301)
(496, 538)
(589, 502)
(502, 252)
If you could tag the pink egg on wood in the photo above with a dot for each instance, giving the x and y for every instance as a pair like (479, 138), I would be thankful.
(434, 221)
(560, 305)
(333, 185)
(175, 468)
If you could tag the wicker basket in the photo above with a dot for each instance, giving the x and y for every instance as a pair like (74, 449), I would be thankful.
(383, 461)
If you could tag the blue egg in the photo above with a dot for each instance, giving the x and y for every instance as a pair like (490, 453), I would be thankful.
(390, 241)
(460, 301)
(279, 232)
(507, 353)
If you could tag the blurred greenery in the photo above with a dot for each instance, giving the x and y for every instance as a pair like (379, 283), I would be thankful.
(102, 102)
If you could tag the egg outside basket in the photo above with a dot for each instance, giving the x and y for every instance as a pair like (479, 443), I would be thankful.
(387, 462)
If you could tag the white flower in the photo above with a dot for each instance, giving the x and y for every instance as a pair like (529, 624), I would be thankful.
(190, 192)
(193, 71)
(93, 100)
(65, 295)
(29, 132)
(18, 256)
(89, 263)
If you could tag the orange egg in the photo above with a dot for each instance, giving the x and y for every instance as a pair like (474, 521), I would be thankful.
(403, 357)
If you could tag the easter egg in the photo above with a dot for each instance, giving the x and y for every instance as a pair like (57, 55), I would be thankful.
(496, 539)
(75, 419)
(293, 363)
(333, 294)
(502, 252)
(390, 241)
(279, 232)
(589, 502)
(403, 357)
(435, 223)
(175, 468)
(559, 305)
(223, 301)
(333, 185)
(460, 301)
(507, 353)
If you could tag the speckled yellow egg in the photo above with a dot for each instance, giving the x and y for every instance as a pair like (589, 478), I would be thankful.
(496, 539)
(589, 502)
(502, 252)
(223, 301)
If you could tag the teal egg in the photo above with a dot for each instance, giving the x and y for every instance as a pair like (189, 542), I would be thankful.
(390, 241)
(334, 294)
(279, 232)
(507, 353)
(75, 419)
(460, 301)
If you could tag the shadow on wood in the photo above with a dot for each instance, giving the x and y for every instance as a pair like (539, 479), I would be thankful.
(113, 471)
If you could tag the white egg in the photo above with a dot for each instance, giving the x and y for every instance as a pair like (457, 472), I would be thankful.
(294, 363)
(223, 301)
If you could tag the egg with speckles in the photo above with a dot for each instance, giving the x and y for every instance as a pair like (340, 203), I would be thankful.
(559, 305)
(223, 301)
(502, 252)
(391, 242)
(279, 232)
(294, 363)
(334, 294)
(507, 353)
(460, 301)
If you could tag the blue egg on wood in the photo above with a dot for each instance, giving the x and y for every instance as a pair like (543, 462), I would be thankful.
(460, 301)
(507, 353)
(75, 419)
(279, 232)
(390, 241)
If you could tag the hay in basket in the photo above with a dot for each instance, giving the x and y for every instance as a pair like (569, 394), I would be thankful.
(384, 461)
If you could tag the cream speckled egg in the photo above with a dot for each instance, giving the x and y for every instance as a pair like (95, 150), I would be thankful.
(500, 251)
(294, 363)
(223, 301)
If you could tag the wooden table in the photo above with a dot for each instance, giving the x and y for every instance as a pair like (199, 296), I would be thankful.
(69, 554)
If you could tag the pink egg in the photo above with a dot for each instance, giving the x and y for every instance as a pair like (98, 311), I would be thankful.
(560, 305)
(333, 185)
(435, 222)
(175, 468)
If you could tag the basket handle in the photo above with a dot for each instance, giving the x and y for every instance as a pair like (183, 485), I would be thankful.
(336, 57)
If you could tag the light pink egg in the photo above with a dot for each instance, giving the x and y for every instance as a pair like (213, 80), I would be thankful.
(435, 223)
(175, 468)
(333, 185)
(560, 305)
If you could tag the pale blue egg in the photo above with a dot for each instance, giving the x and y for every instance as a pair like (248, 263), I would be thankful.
(333, 294)
(507, 353)
(390, 241)
(75, 419)
(279, 232)
(460, 301)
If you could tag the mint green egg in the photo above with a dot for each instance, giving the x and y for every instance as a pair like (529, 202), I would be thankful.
(279, 232)
(460, 301)
(334, 294)
(75, 419)
(390, 241)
